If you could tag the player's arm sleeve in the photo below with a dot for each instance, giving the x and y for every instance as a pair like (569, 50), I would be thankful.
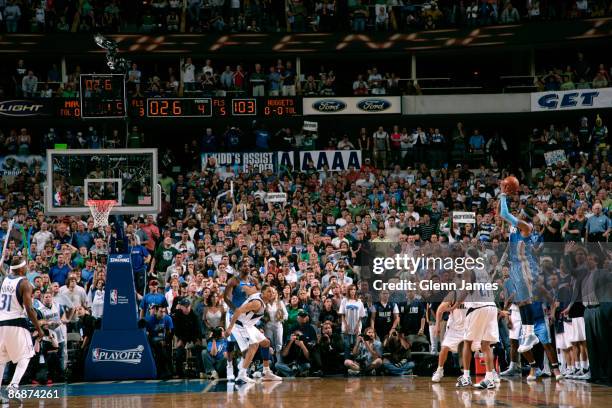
(504, 213)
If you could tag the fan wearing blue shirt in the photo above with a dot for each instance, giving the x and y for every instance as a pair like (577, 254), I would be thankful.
(152, 298)
(59, 272)
(477, 141)
(140, 258)
(160, 328)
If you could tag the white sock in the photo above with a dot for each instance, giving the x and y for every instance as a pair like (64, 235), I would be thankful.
(489, 375)
(466, 373)
(20, 370)
(577, 365)
(527, 329)
(440, 368)
(584, 365)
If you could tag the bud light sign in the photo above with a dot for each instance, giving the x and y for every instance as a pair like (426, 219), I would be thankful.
(353, 105)
(128, 356)
(571, 100)
(23, 108)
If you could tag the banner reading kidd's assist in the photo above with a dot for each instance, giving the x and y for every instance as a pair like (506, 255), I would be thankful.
(256, 162)
(334, 160)
(571, 100)
(353, 105)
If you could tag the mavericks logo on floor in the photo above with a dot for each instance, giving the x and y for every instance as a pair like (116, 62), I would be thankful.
(128, 356)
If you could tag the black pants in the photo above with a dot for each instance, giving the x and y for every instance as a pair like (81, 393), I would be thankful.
(180, 356)
(606, 319)
(162, 359)
(597, 338)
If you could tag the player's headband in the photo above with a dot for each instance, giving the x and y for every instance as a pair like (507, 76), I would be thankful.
(525, 214)
(18, 266)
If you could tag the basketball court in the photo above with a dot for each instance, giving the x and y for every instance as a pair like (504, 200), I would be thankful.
(324, 392)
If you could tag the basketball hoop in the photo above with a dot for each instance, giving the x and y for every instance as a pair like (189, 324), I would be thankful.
(100, 210)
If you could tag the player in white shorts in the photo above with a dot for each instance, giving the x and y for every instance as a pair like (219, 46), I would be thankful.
(15, 338)
(454, 331)
(480, 325)
(243, 327)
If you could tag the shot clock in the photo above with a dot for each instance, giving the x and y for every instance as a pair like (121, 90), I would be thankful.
(102, 96)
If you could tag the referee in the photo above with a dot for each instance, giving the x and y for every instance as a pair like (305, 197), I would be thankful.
(595, 288)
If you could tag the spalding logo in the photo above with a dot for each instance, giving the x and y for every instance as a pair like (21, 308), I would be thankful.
(329, 105)
(20, 108)
(373, 105)
(119, 258)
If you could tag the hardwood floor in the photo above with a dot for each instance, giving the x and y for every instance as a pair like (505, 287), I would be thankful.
(363, 392)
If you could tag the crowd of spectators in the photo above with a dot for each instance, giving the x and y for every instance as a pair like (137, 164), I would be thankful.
(580, 75)
(278, 78)
(25, 16)
(325, 319)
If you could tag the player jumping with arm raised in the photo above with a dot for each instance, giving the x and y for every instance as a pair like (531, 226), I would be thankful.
(523, 266)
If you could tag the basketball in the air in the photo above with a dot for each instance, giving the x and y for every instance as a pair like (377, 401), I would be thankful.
(512, 184)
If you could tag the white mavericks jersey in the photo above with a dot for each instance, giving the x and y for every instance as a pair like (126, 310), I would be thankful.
(11, 304)
(456, 319)
(250, 319)
(480, 297)
(53, 314)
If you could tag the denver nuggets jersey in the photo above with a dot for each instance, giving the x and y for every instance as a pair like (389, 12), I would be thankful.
(238, 294)
(521, 252)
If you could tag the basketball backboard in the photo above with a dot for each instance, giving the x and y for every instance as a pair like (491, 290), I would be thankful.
(128, 176)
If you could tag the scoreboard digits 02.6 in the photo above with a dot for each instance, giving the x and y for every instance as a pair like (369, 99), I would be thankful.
(102, 96)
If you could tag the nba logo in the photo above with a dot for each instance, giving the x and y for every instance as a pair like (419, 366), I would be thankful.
(113, 297)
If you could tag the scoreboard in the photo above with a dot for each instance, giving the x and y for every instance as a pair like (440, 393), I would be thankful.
(168, 108)
(102, 96)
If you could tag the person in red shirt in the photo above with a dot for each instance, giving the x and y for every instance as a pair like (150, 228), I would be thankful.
(395, 140)
(239, 77)
(152, 232)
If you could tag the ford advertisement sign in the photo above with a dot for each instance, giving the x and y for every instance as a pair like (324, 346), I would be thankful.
(571, 100)
(353, 106)
(374, 105)
(329, 106)
(22, 108)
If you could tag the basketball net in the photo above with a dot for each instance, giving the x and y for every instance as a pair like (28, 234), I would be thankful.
(100, 210)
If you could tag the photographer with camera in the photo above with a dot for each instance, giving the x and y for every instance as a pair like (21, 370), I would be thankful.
(330, 348)
(397, 351)
(214, 356)
(296, 356)
(188, 333)
(46, 363)
(367, 354)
